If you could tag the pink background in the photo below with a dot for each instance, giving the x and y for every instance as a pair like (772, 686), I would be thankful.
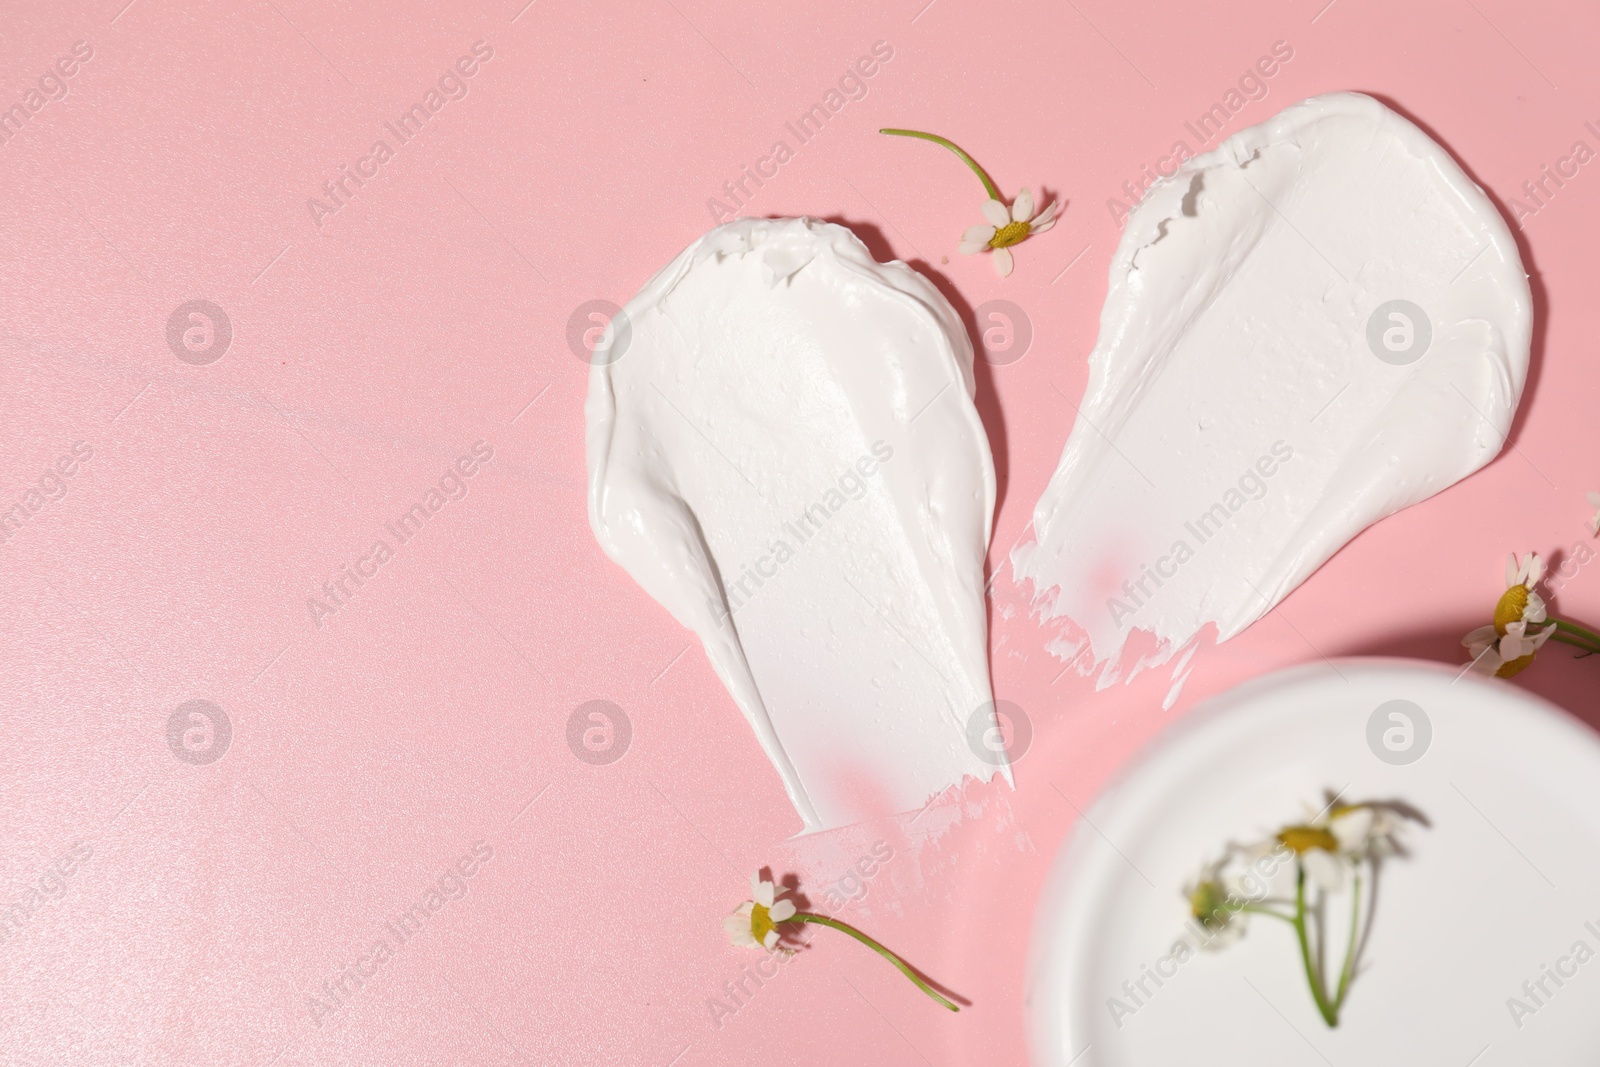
(429, 712)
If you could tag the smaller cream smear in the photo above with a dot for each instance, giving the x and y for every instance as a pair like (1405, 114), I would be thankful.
(785, 455)
(1319, 323)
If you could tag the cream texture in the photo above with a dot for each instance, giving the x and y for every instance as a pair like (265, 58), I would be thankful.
(1238, 427)
(787, 457)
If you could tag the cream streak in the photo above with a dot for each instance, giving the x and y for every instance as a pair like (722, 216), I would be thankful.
(1317, 324)
(786, 456)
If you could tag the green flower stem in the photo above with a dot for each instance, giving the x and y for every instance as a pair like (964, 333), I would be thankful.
(1570, 633)
(1563, 639)
(1313, 978)
(1256, 909)
(1350, 946)
(823, 920)
(989, 186)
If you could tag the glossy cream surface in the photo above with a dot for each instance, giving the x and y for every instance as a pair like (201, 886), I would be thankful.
(783, 451)
(1317, 324)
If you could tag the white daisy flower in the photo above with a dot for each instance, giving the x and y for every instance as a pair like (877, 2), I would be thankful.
(1217, 904)
(754, 923)
(1005, 227)
(1506, 647)
(1333, 848)
(1594, 520)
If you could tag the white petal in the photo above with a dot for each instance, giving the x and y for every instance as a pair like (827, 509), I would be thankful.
(971, 249)
(1022, 207)
(1511, 570)
(1518, 642)
(1483, 635)
(1040, 227)
(737, 927)
(1535, 570)
(977, 234)
(1487, 662)
(1486, 658)
(996, 213)
(764, 894)
(1323, 868)
(770, 942)
(1534, 612)
(782, 911)
(1002, 261)
(1352, 829)
(1230, 933)
(1049, 214)
(755, 884)
(1514, 646)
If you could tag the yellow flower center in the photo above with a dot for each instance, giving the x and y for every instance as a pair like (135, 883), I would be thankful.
(1513, 667)
(1209, 904)
(1510, 608)
(1305, 838)
(1009, 234)
(760, 923)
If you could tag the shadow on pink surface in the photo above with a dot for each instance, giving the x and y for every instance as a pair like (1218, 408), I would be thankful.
(1558, 675)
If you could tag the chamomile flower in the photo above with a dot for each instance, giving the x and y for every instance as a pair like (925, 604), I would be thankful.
(1217, 905)
(1594, 520)
(1507, 646)
(1005, 227)
(1336, 852)
(1002, 226)
(754, 924)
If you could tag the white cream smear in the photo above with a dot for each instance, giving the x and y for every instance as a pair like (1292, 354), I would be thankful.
(1317, 324)
(786, 455)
